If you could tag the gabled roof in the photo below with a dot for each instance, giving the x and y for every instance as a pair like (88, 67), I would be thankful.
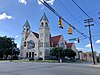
(36, 34)
(26, 24)
(44, 17)
(69, 45)
(55, 40)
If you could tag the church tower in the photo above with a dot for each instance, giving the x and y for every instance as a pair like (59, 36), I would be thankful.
(26, 30)
(44, 37)
(25, 33)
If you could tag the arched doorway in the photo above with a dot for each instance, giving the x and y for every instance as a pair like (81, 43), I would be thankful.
(29, 54)
(32, 54)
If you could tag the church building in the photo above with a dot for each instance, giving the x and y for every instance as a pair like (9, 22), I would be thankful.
(38, 45)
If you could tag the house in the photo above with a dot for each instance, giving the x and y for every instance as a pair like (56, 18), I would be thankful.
(73, 47)
(87, 56)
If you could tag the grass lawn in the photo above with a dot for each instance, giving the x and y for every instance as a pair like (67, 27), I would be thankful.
(49, 61)
(4, 60)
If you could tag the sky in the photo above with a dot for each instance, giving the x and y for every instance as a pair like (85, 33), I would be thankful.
(14, 13)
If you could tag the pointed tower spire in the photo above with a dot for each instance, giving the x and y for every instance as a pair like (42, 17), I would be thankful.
(44, 17)
(26, 30)
(26, 24)
(44, 22)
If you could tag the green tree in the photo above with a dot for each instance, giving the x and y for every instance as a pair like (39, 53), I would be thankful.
(69, 53)
(57, 52)
(7, 45)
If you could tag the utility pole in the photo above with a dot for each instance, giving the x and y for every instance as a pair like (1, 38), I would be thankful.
(89, 25)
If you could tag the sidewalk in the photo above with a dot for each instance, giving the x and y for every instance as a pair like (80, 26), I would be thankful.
(96, 65)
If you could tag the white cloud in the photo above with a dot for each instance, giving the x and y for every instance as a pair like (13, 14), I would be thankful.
(17, 36)
(88, 46)
(48, 1)
(23, 1)
(80, 48)
(4, 16)
(98, 41)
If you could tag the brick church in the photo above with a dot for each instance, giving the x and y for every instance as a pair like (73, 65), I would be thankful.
(38, 45)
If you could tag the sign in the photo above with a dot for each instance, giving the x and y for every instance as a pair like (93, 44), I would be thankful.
(72, 39)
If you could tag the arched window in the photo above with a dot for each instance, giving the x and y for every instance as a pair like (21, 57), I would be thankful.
(41, 44)
(42, 24)
(31, 44)
(46, 24)
(41, 35)
(25, 44)
(23, 29)
(27, 30)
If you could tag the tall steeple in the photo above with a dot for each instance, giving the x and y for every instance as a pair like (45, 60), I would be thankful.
(44, 36)
(44, 22)
(26, 24)
(25, 33)
(44, 17)
(26, 30)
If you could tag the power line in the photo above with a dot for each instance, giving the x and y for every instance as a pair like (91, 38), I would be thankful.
(81, 8)
(83, 11)
(65, 7)
(78, 6)
(57, 14)
(71, 14)
(68, 10)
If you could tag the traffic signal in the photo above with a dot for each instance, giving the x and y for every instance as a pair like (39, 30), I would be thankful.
(69, 30)
(60, 23)
(78, 40)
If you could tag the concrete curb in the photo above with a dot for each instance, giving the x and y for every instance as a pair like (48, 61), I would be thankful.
(96, 65)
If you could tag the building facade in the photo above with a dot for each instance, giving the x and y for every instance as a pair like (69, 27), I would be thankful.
(87, 56)
(38, 45)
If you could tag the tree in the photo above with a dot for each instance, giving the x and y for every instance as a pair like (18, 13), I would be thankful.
(69, 53)
(7, 45)
(57, 52)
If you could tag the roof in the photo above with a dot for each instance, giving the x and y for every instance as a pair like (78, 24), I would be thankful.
(44, 17)
(69, 45)
(55, 40)
(36, 34)
(26, 24)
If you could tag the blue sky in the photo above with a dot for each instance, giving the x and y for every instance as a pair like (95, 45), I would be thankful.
(14, 13)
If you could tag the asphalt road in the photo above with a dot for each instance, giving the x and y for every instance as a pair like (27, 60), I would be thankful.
(31, 68)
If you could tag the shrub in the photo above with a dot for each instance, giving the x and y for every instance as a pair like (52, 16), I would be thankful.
(30, 59)
(15, 58)
(40, 58)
